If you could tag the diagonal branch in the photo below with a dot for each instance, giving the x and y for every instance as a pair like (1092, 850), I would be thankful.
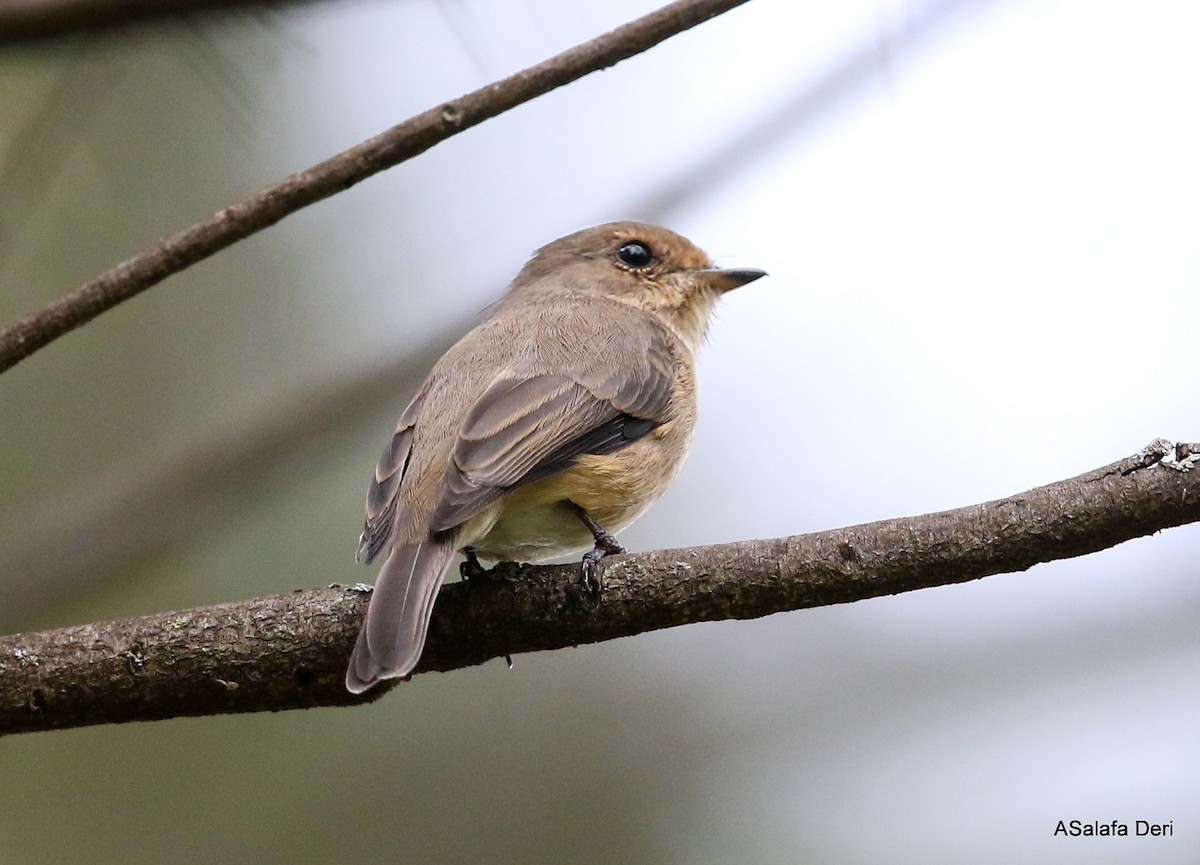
(290, 651)
(410, 138)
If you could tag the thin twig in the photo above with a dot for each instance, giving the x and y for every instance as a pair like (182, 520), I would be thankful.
(410, 138)
(290, 651)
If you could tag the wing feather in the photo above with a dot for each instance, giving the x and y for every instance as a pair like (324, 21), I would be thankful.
(525, 427)
(383, 492)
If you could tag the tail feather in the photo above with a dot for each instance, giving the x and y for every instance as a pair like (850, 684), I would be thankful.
(393, 635)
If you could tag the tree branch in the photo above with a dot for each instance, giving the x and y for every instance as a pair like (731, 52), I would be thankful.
(290, 651)
(410, 138)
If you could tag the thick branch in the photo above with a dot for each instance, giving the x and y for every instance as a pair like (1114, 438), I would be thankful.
(290, 651)
(411, 138)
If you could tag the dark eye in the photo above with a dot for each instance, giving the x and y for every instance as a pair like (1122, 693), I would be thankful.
(635, 254)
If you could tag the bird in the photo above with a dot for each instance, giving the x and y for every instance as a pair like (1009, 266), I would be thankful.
(544, 431)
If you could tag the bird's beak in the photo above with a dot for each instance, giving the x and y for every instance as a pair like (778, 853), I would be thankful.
(721, 281)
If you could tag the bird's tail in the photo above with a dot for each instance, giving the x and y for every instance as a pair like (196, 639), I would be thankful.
(393, 635)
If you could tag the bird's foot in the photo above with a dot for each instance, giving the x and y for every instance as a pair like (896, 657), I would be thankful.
(606, 544)
(471, 569)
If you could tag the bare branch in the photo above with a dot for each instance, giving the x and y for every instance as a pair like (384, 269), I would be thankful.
(290, 651)
(410, 138)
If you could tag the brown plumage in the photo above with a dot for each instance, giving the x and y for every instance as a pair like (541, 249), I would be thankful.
(573, 403)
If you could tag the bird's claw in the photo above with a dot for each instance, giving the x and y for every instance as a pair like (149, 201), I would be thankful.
(606, 545)
(471, 569)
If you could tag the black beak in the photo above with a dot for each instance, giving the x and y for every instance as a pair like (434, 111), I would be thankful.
(727, 280)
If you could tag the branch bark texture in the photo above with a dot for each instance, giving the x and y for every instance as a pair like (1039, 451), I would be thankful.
(290, 651)
(410, 138)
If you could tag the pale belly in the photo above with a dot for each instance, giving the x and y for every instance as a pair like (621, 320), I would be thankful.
(537, 522)
(536, 534)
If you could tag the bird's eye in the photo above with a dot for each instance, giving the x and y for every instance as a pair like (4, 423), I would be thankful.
(635, 254)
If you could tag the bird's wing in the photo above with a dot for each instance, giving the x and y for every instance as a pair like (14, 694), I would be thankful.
(383, 494)
(527, 426)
